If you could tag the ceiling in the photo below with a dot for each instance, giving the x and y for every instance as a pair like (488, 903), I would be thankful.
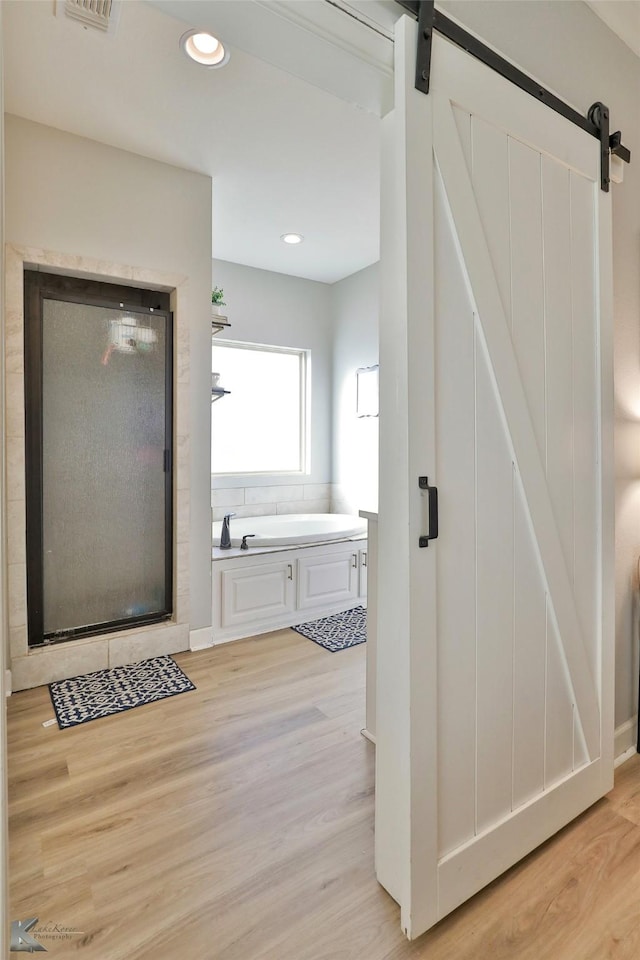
(288, 130)
(284, 154)
(621, 16)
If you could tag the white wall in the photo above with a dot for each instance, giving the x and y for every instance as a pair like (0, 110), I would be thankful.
(339, 324)
(355, 308)
(569, 49)
(75, 196)
(285, 311)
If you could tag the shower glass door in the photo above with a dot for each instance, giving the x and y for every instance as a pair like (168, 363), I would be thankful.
(98, 458)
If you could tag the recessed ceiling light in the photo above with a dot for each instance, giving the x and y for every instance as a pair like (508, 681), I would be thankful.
(204, 48)
(292, 238)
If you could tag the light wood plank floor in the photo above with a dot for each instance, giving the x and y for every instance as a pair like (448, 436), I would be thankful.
(236, 823)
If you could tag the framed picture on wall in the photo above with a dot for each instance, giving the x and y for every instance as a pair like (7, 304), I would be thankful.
(367, 391)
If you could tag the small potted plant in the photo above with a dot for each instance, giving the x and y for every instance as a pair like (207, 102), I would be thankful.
(217, 301)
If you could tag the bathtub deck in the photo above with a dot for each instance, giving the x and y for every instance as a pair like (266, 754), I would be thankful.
(293, 529)
(218, 554)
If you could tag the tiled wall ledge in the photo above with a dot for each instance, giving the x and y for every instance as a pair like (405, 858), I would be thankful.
(62, 660)
(272, 500)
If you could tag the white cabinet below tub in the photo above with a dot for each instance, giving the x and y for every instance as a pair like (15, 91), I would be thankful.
(267, 590)
(254, 593)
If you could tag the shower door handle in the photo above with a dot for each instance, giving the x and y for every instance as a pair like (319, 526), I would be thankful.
(423, 483)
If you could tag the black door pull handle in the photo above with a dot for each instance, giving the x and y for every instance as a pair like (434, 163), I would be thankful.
(423, 483)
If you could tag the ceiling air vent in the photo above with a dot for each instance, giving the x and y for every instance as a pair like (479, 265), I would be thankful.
(101, 14)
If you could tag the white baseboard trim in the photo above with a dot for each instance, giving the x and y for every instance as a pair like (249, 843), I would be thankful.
(7, 682)
(625, 741)
(200, 639)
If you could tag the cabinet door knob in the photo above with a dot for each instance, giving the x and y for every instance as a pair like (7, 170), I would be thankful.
(289, 571)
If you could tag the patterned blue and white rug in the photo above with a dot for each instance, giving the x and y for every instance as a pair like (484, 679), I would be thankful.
(337, 632)
(106, 692)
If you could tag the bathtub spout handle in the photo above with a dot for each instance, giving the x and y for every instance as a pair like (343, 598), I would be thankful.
(244, 545)
(225, 536)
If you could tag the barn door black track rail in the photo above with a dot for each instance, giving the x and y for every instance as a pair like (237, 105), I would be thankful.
(596, 123)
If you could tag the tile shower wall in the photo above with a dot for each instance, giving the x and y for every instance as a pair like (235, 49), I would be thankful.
(272, 500)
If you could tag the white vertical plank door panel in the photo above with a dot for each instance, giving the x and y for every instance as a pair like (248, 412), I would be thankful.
(556, 220)
(463, 123)
(585, 419)
(585, 407)
(559, 706)
(528, 334)
(490, 175)
(456, 596)
(494, 604)
(494, 498)
(529, 660)
(605, 665)
(527, 280)
(495, 656)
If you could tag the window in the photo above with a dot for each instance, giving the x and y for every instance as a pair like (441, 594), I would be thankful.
(260, 426)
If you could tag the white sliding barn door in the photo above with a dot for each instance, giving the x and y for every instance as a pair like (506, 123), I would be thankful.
(495, 643)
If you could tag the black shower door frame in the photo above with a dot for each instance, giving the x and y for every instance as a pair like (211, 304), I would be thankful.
(40, 286)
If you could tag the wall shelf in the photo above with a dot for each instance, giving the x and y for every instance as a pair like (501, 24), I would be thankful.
(218, 324)
(217, 393)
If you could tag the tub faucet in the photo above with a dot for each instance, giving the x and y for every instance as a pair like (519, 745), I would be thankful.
(225, 536)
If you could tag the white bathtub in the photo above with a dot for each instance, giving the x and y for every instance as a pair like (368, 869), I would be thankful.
(290, 529)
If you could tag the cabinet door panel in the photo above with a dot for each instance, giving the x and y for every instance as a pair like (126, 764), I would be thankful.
(257, 593)
(328, 579)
